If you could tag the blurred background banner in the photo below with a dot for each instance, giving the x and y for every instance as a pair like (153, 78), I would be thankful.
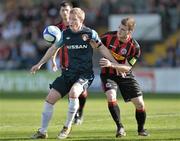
(23, 81)
(157, 31)
(151, 80)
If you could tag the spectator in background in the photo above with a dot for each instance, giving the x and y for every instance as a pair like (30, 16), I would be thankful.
(4, 54)
(178, 52)
(28, 53)
(170, 59)
(12, 28)
(20, 18)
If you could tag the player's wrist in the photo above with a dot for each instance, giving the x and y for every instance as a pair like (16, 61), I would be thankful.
(112, 65)
(116, 66)
(39, 65)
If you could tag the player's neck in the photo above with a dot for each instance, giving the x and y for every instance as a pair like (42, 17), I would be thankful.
(79, 28)
(65, 22)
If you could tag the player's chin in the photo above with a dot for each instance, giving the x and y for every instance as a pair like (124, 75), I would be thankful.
(71, 27)
(121, 36)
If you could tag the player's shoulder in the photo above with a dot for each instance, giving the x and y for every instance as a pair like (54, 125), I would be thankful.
(109, 33)
(61, 25)
(88, 29)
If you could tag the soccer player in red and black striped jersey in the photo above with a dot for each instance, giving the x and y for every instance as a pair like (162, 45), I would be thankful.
(126, 51)
(64, 12)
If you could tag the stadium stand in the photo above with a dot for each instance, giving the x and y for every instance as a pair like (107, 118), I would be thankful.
(160, 56)
(22, 23)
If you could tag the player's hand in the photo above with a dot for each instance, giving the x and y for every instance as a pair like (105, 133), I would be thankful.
(35, 68)
(120, 73)
(54, 66)
(104, 62)
(93, 43)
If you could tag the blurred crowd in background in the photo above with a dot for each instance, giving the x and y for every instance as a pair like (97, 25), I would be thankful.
(22, 23)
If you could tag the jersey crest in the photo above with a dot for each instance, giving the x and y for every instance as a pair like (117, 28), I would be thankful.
(123, 51)
(85, 37)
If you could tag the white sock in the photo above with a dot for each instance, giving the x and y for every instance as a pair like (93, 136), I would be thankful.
(46, 116)
(72, 109)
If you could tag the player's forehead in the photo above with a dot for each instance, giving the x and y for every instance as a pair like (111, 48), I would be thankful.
(73, 16)
(67, 7)
(123, 27)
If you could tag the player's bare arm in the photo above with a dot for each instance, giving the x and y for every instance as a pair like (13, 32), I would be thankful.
(50, 52)
(106, 53)
(121, 67)
(103, 50)
(53, 60)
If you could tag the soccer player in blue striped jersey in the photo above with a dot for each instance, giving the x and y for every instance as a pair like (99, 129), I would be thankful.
(77, 76)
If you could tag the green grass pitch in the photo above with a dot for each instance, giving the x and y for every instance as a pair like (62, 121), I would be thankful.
(20, 116)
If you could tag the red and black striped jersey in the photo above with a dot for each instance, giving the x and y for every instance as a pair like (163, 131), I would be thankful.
(122, 51)
(61, 26)
(63, 52)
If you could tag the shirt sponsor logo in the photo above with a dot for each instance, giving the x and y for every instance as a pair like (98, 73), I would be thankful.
(77, 46)
(117, 56)
(68, 38)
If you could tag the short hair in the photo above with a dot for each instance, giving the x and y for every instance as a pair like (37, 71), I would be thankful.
(79, 12)
(129, 22)
(65, 3)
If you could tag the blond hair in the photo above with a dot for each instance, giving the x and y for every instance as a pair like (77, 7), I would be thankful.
(129, 22)
(78, 12)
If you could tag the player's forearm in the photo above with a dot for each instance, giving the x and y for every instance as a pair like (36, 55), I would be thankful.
(121, 67)
(48, 55)
(54, 56)
(106, 53)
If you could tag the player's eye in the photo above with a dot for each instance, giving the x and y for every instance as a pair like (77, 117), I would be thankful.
(122, 29)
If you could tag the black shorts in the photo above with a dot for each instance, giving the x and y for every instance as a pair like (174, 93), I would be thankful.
(128, 86)
(64, 83)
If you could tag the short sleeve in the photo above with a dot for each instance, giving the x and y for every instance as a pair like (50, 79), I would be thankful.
(95, 36)
(60, 43)
(104, 39)
(135, 54)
